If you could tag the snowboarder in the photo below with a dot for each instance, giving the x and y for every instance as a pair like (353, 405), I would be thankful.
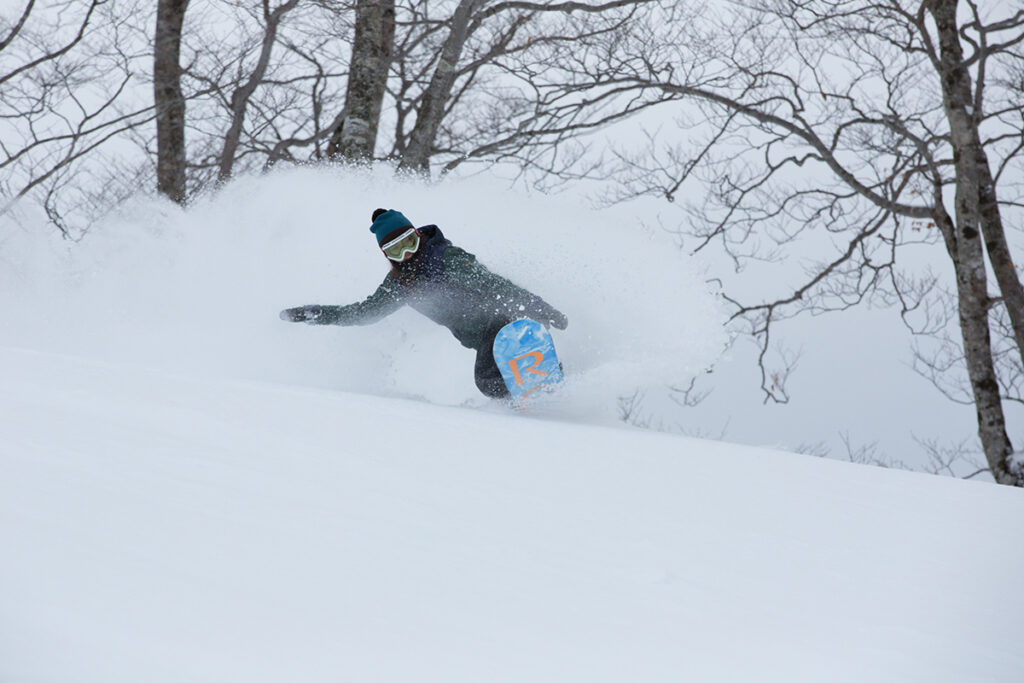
(445, 283)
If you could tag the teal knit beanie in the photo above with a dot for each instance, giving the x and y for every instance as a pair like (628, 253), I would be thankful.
(387, 222)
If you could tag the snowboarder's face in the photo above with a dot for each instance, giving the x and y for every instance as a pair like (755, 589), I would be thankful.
(403, 247)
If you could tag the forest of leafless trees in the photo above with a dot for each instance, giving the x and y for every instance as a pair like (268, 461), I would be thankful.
(867, 127)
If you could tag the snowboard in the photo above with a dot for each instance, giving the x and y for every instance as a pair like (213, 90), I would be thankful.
(525, 355)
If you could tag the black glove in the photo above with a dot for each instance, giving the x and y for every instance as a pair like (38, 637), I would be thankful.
(302, 314)
(559, 321)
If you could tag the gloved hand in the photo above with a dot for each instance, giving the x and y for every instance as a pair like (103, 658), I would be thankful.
(559, 321)
(301, 314)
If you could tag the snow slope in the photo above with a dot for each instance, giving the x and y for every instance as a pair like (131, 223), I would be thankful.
(166, 527)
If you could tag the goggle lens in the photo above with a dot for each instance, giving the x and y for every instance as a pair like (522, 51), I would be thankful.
(405, 244)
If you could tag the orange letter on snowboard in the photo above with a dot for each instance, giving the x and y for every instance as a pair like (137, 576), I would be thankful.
(514, 363)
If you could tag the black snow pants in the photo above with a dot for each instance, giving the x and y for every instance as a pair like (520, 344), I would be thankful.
(488, 378)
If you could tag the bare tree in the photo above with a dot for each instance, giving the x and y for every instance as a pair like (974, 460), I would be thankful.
(433, 100)
(68, 78)
(502, 78)
(241, 94)
(260, 98)
(169, 100)
(847, 122)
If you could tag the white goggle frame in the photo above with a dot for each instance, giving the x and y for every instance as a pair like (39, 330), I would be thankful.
(406, 251)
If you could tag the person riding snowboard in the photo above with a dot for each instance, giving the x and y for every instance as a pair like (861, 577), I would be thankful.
(445, 283)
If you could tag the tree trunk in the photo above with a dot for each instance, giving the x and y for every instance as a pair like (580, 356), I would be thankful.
(431, 110)
(973, 168)
(356, 136)
(976, 208)
(968, 259)
(168, 100)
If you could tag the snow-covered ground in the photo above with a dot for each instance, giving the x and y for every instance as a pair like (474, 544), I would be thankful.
(168, 527)
(192, 490)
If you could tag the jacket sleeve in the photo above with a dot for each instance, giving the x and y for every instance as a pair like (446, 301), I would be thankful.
(516, 299)
(383, 302)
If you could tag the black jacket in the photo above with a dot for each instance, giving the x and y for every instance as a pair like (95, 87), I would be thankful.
(448, 285)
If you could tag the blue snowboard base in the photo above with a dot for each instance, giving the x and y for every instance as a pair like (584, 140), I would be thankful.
(525, 355)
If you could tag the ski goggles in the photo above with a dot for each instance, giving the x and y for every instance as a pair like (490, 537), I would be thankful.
(403, 245)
